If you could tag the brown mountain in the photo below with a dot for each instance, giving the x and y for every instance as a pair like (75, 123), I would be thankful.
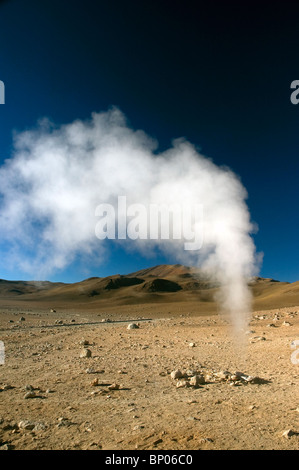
(163, 283)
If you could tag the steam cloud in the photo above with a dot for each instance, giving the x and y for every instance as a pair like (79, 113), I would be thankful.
(57, 176)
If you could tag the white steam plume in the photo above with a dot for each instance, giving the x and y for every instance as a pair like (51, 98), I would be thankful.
(57, 176)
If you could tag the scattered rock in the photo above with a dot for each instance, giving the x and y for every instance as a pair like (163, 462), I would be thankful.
(289, 433)
(132, 326)
(62, 421)
(205, 439)
(176, 374)
(190, 372)
(30, 395)
(223, 374)
(26, 425)
(255, 339)
(182, 383)
(114, 386)
(40, 427)
(234, 378)
(251, 407)
(197, 380)
(240, 375)
(85, 353)
(29, 388)
(201, 378)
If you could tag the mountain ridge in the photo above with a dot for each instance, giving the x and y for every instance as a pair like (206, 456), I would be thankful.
(160, 283)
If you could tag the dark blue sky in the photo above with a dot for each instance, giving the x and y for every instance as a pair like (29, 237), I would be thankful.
(217, 73)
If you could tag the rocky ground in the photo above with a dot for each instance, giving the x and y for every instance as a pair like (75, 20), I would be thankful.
(85, 381)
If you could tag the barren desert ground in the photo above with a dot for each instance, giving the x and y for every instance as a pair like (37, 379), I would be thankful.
(124, 397)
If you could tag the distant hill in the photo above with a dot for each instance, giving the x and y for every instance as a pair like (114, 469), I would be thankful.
(162, 283)
(16, 288)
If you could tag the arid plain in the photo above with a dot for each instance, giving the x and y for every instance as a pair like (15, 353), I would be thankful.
(77, 376)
